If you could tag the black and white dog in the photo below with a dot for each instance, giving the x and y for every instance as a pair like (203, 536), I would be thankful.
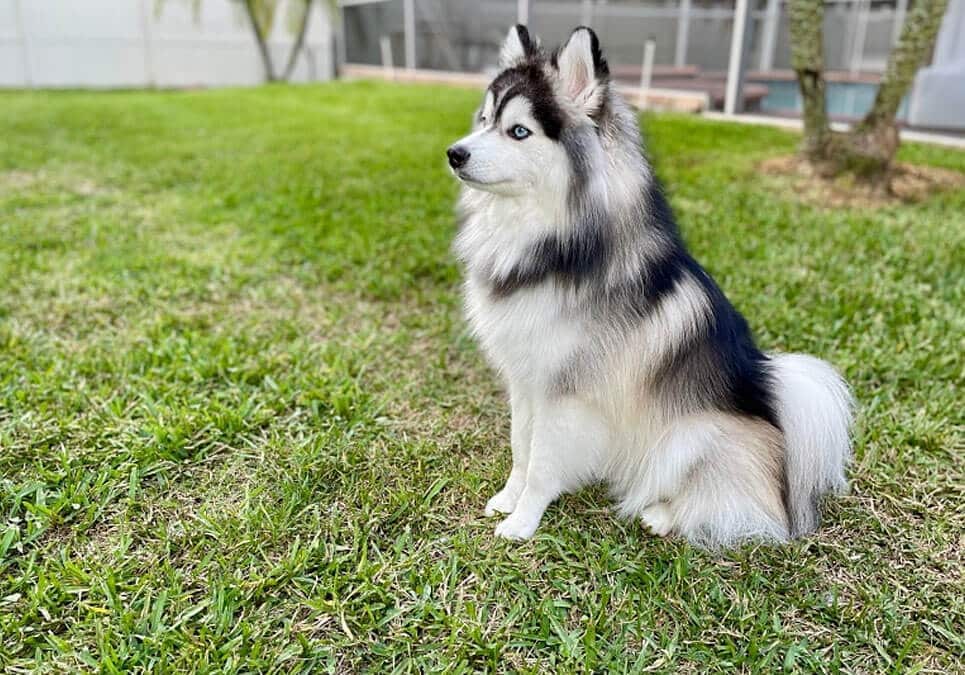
(624, 361)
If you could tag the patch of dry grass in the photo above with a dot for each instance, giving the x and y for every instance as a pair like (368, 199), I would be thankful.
(909, 184)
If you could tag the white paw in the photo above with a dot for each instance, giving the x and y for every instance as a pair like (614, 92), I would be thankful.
(658, 518)
(503, 501)
(518, 526)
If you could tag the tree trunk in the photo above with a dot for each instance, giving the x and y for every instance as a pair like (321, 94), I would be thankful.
(870, 147)
(299, 42)
(806, 18)
(260, 39)
(914, 46)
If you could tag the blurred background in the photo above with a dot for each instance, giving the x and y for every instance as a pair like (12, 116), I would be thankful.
(208, 43)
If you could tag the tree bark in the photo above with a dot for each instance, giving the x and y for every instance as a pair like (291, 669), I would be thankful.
(260, 39)
(806, 18)
(869, 148)
(867, 151)
(299, 42)
(914, 46)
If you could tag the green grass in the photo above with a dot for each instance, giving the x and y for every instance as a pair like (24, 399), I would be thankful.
(243, 427)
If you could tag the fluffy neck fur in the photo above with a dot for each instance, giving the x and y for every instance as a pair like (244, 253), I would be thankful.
(600, 225)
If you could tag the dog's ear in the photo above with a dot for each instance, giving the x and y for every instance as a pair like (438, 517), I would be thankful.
(583, 70)
(517, 47)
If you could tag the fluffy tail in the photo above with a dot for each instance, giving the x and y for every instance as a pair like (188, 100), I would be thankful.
(815, 412)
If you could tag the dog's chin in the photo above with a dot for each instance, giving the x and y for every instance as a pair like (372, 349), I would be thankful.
(493, 186)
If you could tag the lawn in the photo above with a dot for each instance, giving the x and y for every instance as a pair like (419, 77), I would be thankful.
(243, 427)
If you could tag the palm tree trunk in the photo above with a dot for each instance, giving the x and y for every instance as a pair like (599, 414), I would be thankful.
(299, 41)
(806, 18)
(260, 39)
(915, 45)
(869, 149)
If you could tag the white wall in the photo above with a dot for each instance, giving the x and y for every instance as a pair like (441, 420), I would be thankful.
(123, 43)
(12, 65)
(938, 98)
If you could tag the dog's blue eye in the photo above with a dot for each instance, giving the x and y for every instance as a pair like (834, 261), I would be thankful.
(519, 132)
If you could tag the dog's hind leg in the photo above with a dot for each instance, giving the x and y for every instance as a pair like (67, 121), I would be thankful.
(521, 437)
(737, 494)
(647, 488)
(565, 454)
(714, 478)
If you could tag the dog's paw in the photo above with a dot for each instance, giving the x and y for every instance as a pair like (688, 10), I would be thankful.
(658, 518)
(503, 501)
(517, 526)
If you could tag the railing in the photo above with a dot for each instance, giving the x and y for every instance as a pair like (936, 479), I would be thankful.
(859, 33)
(464, 35)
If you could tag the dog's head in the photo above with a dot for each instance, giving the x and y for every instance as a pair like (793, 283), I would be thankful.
(538, 119)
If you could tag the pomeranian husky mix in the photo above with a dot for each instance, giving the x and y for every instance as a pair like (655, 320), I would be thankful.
(624, 361)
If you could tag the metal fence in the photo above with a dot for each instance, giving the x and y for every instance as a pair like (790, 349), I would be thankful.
(464, 35)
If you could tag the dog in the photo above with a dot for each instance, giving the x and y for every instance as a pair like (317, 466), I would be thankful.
(624, 361)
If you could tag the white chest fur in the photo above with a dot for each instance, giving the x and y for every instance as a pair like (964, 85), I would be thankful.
(528, 335)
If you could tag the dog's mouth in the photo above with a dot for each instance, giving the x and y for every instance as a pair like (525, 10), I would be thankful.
(465, 176)
(474, 182)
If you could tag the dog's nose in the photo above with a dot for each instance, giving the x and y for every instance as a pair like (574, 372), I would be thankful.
(458, 156)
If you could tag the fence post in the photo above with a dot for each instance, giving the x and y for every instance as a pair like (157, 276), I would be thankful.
(522, 12)
(586, 13)
(24, 45)
(409, 19)
(862, 8)
(769, 39)
(388, 66)
(339, 32)
(683, 34)
(734, 94)
(646, 71)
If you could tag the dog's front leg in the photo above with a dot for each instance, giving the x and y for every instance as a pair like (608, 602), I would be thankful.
(567, 438)
(521, 437)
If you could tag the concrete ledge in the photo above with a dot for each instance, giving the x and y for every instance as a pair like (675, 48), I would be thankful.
(653, 99)
(909, 135)
(356, 71)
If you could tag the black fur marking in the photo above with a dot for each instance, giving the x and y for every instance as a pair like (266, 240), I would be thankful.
(722, 366)
(659, 213)
(601, 69)
(655, 283)
(657, 279)
(528, 79)
(529, 49)
(571, 260)
(577, 145)
(514, 91)
(740, 380)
